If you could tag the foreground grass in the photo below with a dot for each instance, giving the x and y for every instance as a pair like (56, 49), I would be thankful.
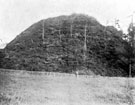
(38, 88)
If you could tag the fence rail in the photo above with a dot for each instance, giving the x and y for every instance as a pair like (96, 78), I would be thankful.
(54, 74)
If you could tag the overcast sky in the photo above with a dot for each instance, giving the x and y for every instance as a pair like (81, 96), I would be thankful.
(17, 15)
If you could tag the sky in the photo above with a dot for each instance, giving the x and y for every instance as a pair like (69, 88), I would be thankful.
(17, 15)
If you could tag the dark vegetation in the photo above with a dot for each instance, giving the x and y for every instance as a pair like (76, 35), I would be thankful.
(63, 47)
(2, 57)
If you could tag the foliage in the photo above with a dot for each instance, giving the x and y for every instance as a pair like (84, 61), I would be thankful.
(2, 55)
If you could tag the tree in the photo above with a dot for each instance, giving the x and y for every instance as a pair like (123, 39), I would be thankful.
(131, 41)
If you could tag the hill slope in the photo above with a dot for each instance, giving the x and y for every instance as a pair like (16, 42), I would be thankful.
(69, 43)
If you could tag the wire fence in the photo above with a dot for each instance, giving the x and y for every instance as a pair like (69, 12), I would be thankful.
(44, 73)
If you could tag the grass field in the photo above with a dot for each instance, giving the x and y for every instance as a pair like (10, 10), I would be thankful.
(39, 88)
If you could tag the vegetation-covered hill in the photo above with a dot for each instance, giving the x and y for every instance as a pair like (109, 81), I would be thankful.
(69, 43)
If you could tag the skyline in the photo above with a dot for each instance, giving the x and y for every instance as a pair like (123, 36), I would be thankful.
(18, 15)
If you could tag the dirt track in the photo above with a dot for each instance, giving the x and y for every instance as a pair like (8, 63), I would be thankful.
(25, 88)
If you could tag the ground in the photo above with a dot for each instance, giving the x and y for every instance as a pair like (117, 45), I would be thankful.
(41, 88)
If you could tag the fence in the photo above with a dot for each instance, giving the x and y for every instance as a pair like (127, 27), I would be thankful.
(53, 74)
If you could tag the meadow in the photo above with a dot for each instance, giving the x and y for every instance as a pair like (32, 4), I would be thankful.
(43, 88)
